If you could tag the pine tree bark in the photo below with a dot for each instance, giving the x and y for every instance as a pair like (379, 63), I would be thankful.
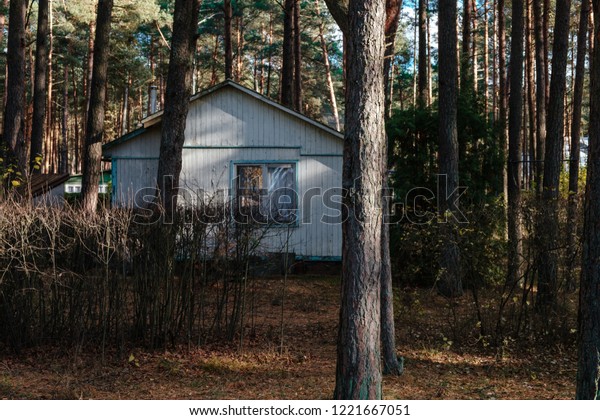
(287, 65)
(423, 77)
(530, 79)
(486, 60)
(514, 144)
(50, 86)
(547, 231)
(76, 138)
(39, 88)
(297, 58)
(228, 13)
(391, 363)
(573, 205)
(466, 81)
(449, 283)
(392, 20)
(339, 11)
(95, 122)
(588, 360)
(63, 161)
(14, 113)
(474, 47)
(540, 92)
(502, 93)
(89, 69)
(179, 86)
(358, 373)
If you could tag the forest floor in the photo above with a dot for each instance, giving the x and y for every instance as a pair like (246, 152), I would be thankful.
(436, 365)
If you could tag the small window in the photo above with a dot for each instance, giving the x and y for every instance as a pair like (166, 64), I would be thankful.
(267, 193)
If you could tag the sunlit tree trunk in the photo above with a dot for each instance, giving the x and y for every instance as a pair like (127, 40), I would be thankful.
(63, 166)
(422, 76)
(392, 19)
(330, 88)
(358, 373)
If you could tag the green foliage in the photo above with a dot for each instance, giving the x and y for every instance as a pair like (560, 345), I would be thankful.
(413, 137)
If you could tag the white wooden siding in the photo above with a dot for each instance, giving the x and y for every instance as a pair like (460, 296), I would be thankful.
(229, 126)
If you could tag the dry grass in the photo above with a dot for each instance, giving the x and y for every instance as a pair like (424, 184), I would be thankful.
(436, 367)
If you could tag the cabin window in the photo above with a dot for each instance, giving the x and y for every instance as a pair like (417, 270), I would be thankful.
(267, 192)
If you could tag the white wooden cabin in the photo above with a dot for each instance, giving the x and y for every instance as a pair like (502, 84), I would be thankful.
(233, 132)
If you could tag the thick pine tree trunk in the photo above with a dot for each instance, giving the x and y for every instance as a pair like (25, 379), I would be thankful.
(39, 88)
(515, 119)
(287, 66)
(179, 87)
(95, 122)
(575, 146)
(588, 372)
(358, 373)
(14, 114)
(547, 232)
(449, 283)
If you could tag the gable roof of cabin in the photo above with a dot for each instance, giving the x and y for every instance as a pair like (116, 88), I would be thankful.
(156, 118)
(40, 184)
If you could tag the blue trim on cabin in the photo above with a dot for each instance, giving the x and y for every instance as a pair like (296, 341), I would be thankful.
(312, 258)
(115, 183)
(134, 158)
(232, 164)
(243, 147)
(320, 155)
(265, 147)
